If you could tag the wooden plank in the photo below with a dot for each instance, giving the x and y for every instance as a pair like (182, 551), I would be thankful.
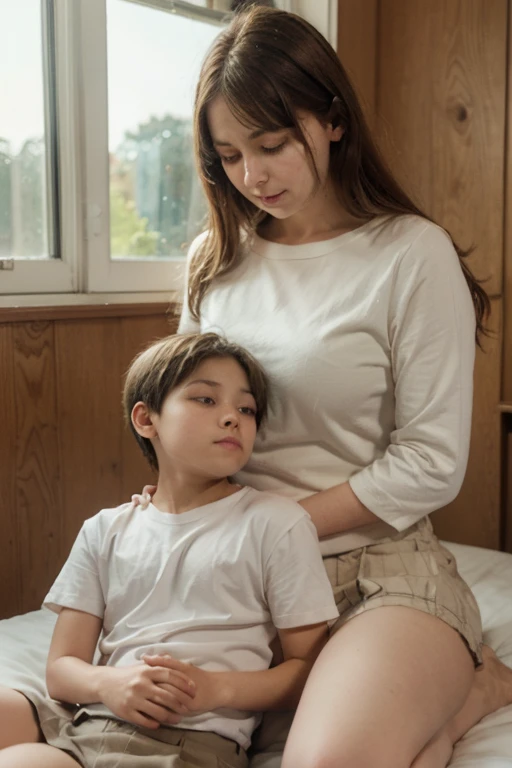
(84, 311)
(506, 389)
(441, 96)
(404, 95)
(38, 501)
(89, 417)
(507, 482)
(10, 571)
(135, 335)
(357, 48)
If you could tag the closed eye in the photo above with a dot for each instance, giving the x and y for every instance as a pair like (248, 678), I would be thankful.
(274, 150)
(230, 159)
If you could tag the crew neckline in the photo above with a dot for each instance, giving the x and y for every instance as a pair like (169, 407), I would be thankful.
(223, 505)
(271, 250)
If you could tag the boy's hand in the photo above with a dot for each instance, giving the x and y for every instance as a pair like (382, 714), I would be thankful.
(209, 693)
(147, 695)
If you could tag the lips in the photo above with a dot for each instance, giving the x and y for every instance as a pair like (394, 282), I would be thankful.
(229, 442)
(270, 199)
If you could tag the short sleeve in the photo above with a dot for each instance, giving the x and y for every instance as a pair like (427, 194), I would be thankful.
(297, 589)
(78, 584)
(189, 324)
(432, 339)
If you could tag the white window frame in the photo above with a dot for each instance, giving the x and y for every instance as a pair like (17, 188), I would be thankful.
(85, 273)
(39, 276)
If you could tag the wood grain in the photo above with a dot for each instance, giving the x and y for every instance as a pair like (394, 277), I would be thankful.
(85, 311)
(89, 417)
(507, 482)
(506, 390)
(135, 336)
(357, 49)
(441, 96)
(38, 486)
(10, 573)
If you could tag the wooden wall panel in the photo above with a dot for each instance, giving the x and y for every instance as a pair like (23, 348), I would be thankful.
(37, 468)
(506, 392)
(135, 335)
(441, 98)
(64, 451)
(10, 573)
(88, 383)
(357, 48)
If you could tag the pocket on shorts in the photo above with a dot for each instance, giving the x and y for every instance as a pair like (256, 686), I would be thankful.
(404, 566)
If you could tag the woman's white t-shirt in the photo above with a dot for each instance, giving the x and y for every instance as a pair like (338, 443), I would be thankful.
(368, 340)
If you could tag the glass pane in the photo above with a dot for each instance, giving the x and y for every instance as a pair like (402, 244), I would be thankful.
(154, 57)
(24, 230)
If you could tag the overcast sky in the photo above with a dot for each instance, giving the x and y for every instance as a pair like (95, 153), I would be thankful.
(153, 59)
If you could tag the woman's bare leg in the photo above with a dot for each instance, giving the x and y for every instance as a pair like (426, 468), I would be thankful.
(382, 689)
(491, 690)
(18, 724)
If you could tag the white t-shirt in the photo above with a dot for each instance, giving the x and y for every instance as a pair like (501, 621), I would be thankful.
(368, 339)
(207, 586)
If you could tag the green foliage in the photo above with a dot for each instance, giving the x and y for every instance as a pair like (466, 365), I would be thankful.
(129, 234)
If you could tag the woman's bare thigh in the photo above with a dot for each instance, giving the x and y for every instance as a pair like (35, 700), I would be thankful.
(384, 685)
(18, 724)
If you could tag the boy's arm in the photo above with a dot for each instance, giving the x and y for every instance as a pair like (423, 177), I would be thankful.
(277, 688)
(132, 692)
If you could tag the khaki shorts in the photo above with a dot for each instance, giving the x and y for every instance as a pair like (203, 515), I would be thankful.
(410, 569)
(98, 742)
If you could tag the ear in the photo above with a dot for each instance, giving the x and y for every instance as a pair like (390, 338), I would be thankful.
(337, 132)
(142, 420)
(334, 120)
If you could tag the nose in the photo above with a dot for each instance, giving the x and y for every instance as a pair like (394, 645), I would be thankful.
(229, 418)
(255, 173)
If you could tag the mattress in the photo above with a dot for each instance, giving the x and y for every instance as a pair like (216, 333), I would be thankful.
(24, 642)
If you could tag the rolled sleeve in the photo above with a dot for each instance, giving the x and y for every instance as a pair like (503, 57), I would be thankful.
(432, 339)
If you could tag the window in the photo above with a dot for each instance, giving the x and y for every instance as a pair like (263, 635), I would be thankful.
(98, 190)
(30, 237)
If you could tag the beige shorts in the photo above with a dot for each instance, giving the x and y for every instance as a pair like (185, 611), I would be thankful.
(411, 569)
(98, 742)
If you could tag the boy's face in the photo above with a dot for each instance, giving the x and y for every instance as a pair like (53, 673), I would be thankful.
(207, 425)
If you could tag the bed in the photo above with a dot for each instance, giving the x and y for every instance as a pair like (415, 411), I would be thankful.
(24, 642)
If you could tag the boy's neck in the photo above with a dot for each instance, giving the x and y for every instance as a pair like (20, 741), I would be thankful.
(176, 495)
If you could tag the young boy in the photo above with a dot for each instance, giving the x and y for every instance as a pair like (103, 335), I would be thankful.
(186, 594)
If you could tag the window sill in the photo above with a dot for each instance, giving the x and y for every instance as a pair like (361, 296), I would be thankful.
(16, 309)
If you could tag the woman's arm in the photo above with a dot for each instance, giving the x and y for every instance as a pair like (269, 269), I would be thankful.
(278, 688)
(337, 510)
(431, 330)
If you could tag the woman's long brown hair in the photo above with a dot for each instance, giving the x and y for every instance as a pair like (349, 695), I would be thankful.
(268, 65)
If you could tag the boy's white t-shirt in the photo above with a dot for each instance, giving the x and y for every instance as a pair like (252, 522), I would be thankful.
(207, 586)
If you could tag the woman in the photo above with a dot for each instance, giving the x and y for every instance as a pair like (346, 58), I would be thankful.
(364, 314)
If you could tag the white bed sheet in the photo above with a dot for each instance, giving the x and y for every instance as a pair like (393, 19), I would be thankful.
(24, 642)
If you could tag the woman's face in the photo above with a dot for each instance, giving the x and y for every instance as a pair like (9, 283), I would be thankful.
(273, 169)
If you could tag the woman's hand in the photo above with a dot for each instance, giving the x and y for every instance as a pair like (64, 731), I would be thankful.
(147, 695)
(144, 499)
(208, 687)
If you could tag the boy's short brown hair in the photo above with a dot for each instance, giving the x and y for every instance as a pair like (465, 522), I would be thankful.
(161, 367)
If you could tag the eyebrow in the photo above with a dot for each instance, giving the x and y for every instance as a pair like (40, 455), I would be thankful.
(214, 384)
(254, 135)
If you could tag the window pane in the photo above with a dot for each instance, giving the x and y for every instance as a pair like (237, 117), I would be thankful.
(154, 57)
(24, 203)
